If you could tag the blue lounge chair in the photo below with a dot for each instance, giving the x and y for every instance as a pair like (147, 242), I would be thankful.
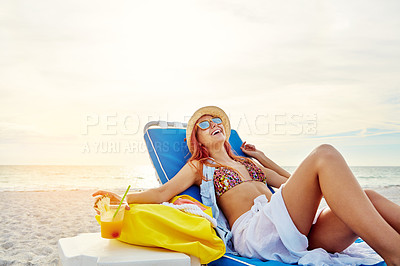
(169, 153)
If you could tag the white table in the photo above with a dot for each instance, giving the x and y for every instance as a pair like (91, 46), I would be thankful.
(90, 249)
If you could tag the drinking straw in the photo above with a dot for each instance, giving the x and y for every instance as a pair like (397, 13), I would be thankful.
(119, 206)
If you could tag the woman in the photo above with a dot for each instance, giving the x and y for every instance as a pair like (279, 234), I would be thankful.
(286, 225)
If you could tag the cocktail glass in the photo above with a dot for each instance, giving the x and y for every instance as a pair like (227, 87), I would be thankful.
(111, 224)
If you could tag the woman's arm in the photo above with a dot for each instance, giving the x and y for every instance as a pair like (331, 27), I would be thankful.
(273, 178)
(251, 150)
(275, 174)
(185, 178)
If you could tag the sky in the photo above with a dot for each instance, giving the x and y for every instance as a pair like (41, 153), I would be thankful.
(80, 79)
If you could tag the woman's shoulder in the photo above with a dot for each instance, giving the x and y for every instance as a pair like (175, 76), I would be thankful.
(195, 163)
(203, 165)
(203, 161)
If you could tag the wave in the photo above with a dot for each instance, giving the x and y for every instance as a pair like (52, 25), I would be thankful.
(370, 177)
(392, 186)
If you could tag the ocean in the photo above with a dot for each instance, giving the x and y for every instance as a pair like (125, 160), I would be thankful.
(385, 180)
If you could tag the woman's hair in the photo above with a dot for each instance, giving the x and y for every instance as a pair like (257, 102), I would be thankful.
(201, 154)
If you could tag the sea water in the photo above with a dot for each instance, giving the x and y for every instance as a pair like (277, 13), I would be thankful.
(385, 180)
(67, 177)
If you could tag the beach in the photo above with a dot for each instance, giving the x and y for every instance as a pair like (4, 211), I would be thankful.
(32, 222)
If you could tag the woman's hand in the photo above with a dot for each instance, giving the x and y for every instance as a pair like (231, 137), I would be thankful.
(114, 198)
(249, 149)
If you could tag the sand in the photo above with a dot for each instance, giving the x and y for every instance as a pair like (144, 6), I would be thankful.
(32, 222)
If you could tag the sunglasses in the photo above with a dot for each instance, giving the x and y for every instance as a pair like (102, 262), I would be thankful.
(206, 123)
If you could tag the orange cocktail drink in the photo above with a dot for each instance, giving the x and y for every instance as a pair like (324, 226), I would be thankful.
(111, 224)
(111, 230)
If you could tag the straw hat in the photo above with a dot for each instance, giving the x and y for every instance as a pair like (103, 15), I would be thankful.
(207, 110)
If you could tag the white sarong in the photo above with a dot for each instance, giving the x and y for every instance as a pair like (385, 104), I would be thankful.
(267, 232)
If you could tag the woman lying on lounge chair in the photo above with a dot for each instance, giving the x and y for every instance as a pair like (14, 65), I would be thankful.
(286, 225)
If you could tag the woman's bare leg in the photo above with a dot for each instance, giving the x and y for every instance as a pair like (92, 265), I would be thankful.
(389, 210)
(325, 172)
(330, 233)
(334, 235)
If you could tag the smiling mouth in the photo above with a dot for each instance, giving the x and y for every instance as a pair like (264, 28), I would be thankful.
(217, 131)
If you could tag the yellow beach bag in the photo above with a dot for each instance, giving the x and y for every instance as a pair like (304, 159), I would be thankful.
(156, 225)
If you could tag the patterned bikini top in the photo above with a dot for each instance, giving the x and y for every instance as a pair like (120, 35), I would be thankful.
(226, 178)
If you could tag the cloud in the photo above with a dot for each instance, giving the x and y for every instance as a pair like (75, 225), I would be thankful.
(338, 61)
